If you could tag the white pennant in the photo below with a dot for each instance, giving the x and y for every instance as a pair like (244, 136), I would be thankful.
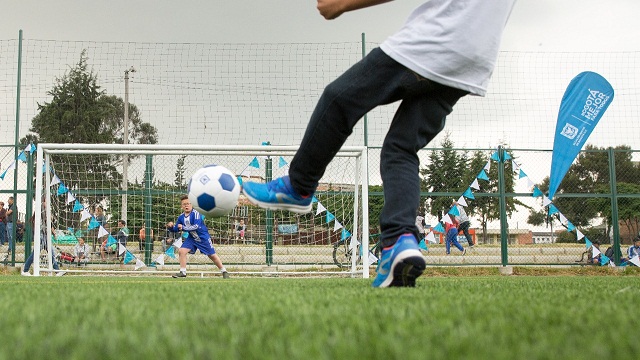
(462, 201)
(579, 235)
(530, 183)
(635, 261)
(431, 238)
(596, 252)
(85, 215)
(563, 219)
(102, 232)
(353, 243)
(488, 166)
(447, 219)
(70, 197)
(516, 167)
(372, 258)
(178, 243)
(337, 226)
(321, 208)
(611, 264)
(475, 184)
(55, 180)
(545, 201)
(27, 148)
(160, 259)
(121, 248)
(11, 167)
(139, 264)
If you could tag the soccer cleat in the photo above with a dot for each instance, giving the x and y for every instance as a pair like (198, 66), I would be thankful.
(225, 275)
(180, 274)
(25, 273)
(401, 265)
(277, 195)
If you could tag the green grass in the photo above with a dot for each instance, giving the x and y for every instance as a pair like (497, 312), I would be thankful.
(487, 317)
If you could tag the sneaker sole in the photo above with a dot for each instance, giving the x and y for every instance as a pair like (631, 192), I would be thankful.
(300, 209)
(406, 268)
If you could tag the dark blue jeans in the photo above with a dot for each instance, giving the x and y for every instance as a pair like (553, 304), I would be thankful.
(377, 80)
(3, 232)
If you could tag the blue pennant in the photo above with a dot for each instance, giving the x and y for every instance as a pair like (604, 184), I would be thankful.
(240, 180)
(22, 157)
(522, 174)
(3, 174)
(506, 156)
(468, 194)
(62, 189)
(282, 162)
(454, 211)
(587, 243)
(128, 257)
(483, 175)
(536, 192)
(33, 148)
(254, 163)
(494, 156)
(423, 245)
(314, 199)
(93, 223)
(439, 228)
(345, 234)
(330, 217)
(171, 252)
(570, 226)
(552, 209)
(77, 206)
(604, 259)
(111, 240)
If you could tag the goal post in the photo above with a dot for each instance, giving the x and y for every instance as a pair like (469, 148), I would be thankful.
(84, 180)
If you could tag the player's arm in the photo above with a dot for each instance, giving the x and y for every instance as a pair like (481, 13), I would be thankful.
(196, 222)
(331, 9)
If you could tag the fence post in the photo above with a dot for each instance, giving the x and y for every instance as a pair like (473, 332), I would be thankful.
(268, 216)
(614, 206)
(148, 201)
(504, 234)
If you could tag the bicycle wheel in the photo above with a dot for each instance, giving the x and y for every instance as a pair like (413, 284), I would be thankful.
(342, 254)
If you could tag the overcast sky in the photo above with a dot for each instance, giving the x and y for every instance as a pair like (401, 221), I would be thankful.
(545, 25)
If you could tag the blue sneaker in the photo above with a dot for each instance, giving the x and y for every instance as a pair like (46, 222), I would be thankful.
(401, 265)
(277, 195)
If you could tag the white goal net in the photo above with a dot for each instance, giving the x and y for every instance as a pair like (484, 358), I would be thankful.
(117, 200)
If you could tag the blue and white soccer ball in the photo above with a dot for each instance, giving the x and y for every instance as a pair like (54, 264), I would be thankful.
(213, 190)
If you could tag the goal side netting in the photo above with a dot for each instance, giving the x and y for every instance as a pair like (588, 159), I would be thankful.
(112, 202)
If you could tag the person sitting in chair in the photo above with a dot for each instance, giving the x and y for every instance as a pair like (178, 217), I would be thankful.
(81, 252)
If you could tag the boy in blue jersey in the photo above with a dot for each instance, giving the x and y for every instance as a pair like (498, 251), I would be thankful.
(192, 223)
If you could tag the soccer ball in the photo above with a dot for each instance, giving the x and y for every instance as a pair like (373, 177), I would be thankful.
(213, 190)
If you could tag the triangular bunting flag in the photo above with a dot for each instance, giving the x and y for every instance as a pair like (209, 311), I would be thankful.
(128, 257)
(522, 174)
(111, 240)
(579, 235)
(353, 243)
(102, 232)
(85, 215)
(28, 148)
(587, 243)
(55, 180)
(475, 184)
(530, 183)
(596, 251)
(635, 261)
(4, 173)
(545, 201)
(254, 163)
(93, 223)
(462, 201)
(483, 175)
(552, 209)
(178, 243)
(314, 199)
(494, 156)
(507, 156)
(337, 226)
(171, 252)
(563, 219)
(447, 219)
(77, 206)
(345, 234)
(372, 258)
(321, 209)
(431, 238)
(604, 259)
(570, 226)
(240, 180)
(536, 192)
(22, 157)
(70, 197)
(121, 248)
(487, 166)
(139, 264)
(515, 166)
(62, 189)
(330, 217)
(612, 264)
(423, 245)
(160, 259)
(439, 228)
(282, 162)
(454, 211)
(468, 194)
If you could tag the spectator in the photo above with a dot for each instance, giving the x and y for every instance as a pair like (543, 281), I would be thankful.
(3, 223)
(240, 229)
(11, 215)
(102, 220)
(463, 223)
(19, 231)
(420, 224)
(633, 250)
(123, 232)
(142, 236)
(168, 239)
(44, 244)
(81, 252)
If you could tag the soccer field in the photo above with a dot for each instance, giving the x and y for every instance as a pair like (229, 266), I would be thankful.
(486, 317)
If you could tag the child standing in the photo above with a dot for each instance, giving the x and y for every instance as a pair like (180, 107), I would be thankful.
(191, 222)
(451, 237)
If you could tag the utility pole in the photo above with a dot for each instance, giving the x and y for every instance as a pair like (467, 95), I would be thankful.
(125, 141)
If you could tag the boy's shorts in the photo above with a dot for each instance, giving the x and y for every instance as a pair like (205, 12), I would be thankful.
(205, 246)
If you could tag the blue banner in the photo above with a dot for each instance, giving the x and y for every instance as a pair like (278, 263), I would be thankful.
(583, 104)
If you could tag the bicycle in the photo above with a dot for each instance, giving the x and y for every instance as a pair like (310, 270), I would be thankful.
(342, 251)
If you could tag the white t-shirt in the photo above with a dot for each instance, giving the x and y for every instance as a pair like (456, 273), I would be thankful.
(452, 42)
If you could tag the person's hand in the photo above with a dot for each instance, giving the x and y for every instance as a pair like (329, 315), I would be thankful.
(170, 224)
(330, 9)
(180, 227)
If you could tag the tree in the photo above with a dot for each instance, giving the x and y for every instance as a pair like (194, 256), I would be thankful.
(180, 169)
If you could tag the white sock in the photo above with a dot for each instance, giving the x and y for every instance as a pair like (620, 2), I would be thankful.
(183, 270)
(223, 269)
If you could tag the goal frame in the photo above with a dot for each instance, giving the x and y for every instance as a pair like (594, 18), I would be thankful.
(361, 184)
